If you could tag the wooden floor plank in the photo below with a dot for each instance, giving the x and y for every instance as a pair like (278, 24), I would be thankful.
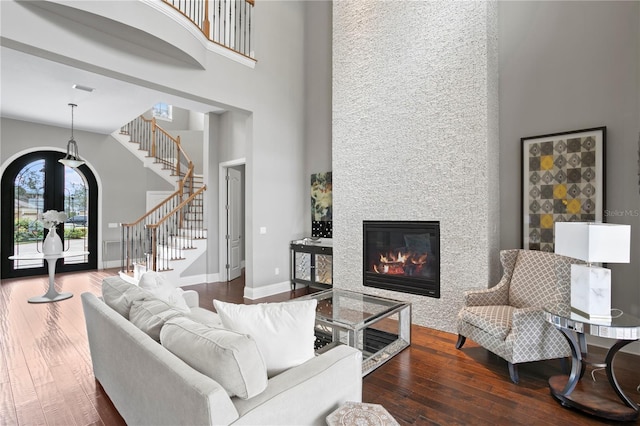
(46, 375)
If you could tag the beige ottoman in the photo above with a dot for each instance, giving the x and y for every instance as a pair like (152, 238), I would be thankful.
(361, 414)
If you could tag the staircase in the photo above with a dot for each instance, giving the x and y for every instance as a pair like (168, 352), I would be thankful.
(170, 236)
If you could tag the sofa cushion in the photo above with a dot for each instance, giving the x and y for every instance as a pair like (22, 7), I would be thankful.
(119, 295)
(495, 320)
(205, 316)
(231, 359)
(283, 331)
(158, 285)
(149, 315)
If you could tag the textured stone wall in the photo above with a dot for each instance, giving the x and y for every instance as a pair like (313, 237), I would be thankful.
(415, 137)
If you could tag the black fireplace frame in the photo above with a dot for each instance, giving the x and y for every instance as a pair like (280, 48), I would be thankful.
(414, 285)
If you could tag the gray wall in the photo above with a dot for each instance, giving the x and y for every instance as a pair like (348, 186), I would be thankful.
(272, 93)
(318, 72)
(124, 187)
(568, 66)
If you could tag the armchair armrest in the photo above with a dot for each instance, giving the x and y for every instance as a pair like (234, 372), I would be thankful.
(498, 295)
(525, 318)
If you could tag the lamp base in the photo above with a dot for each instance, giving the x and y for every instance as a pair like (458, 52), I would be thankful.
(591, 292)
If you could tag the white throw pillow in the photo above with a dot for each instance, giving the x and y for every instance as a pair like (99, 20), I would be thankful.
(149, 315)
(119, 295)
(231, 359)
(158, 285)
(283, 331)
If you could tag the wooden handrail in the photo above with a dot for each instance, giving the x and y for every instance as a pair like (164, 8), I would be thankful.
(150, 212)
(199, 16)
(177, 209)
(178, 192)
(142, 238)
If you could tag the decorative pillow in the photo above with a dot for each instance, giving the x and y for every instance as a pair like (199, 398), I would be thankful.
(231, 359)
(149, 315)
(283, 331)
(158, 285)
(119, 295)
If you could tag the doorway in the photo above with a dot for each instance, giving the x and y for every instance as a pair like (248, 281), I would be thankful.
(33, 184)
(232, 222)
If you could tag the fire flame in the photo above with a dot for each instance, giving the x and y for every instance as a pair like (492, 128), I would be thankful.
(402, 263)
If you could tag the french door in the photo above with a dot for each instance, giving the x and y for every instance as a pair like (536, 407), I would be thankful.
(35, 183)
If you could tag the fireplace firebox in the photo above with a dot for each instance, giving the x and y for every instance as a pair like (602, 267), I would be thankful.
(402, 256)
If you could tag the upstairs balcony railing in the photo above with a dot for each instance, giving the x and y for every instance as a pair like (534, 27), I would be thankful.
(224, 22)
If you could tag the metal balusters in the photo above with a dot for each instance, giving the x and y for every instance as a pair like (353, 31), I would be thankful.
(161, 234)
(224, 22)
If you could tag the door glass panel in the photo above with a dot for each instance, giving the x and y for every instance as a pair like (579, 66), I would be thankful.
(76, 229)
(28, 232)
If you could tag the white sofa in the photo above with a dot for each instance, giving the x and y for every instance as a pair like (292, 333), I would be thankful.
(149, 385)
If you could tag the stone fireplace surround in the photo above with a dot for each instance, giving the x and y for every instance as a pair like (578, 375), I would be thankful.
(415, 137)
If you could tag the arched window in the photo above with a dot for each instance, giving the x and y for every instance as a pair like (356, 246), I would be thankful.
(37, 182)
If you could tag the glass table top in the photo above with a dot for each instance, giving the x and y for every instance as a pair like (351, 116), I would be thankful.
(620, 326)
(352, 310)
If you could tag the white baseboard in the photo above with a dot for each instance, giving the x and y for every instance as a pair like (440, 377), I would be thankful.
(108, 264)
(192, 279)
(268, 290)
(213, 278)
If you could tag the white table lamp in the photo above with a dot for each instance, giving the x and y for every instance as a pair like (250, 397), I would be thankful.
(592, 242)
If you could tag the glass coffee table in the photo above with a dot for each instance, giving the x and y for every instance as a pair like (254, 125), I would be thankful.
(378, 327)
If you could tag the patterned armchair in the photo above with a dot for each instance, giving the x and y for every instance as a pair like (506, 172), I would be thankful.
(508, 319)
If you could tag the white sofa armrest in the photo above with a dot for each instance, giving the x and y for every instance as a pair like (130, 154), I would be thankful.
(306, 394)
(192, 298)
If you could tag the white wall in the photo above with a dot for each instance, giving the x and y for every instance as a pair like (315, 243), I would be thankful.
(568, 66)
(415, 138)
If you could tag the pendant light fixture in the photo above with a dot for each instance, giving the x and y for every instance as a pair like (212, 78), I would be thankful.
(72, 159)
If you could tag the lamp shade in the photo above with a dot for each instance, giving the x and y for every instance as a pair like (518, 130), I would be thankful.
(593, 242)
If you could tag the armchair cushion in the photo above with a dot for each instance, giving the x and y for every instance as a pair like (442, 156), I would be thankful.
(495, 320)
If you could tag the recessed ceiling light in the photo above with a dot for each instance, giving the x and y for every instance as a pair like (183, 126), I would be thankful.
(84, 88)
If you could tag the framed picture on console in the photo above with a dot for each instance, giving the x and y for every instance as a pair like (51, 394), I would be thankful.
(562, 181)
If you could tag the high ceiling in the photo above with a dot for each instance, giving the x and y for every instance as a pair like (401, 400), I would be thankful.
(39, 90)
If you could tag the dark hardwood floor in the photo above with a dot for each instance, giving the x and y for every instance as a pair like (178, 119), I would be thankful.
(46, 375)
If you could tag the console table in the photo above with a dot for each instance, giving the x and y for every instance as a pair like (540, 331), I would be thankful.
(625, 329)
(312, 263)
(51, 295)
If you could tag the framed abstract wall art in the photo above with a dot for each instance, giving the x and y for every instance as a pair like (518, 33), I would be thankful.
(562, 181)
(322, 205)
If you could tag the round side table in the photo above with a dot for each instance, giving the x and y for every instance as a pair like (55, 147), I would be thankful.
(625, 329)
(51, 295)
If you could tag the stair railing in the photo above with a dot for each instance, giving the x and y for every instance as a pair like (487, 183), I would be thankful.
(162, 233)
(159, 144)
(176, 232)
(227, 23)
